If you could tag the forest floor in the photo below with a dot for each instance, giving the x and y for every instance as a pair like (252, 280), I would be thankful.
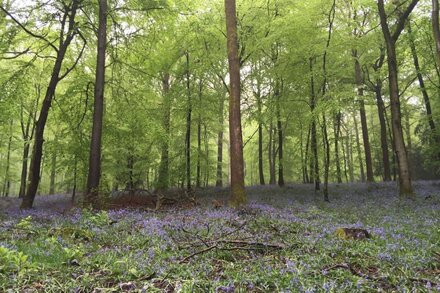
(284, 240)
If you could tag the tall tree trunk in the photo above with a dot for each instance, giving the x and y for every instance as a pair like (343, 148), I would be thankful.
(349, 150)
(98, 109)
(163, 176)
(188, 127)
(314, 141)
(238, 194)
(7, 182)
(206, 144)
(37, 152)
(365, 137)
(280, 137)
(219, 181)
(337, 130)
(436, 28)
(425, 95)
(53, 168)
(271, 154)
(405, 186)
(326, 156)
(260, 137)
(306, 157)
(24, 167)
(358, 148)
(383, 132)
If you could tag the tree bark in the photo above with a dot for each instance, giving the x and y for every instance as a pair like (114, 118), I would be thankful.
(381, 111)
(188, 126)
(163, 176)
(280, 138)
(238, 194)
(358, 148)
(422, 86)
(436, 28)
(37, 152)
(94, 176)
(337, 130)
(260, 137)
(405, 186)
(7, 182)
(271, 155)
(365, 136)
(314, 141)
(53, 168)
(219, 181)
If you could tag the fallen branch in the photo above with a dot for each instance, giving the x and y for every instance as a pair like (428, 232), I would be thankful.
(197, 253)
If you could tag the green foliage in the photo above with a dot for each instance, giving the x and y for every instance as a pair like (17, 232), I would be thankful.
(12, 261)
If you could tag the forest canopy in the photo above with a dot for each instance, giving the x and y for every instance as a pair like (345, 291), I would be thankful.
(328, 91)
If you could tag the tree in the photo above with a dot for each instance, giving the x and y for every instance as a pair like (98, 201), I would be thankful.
(238, 193)
(98, 108)
(68, 31)
(391, 37)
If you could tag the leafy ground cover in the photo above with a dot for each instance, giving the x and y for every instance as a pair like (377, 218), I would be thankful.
(283, 241)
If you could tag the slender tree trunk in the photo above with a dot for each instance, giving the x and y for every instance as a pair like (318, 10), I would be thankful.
(75, 178)
(7, 182)
(24, 168)
(350, 161)
(280, 138)
(206, 143)
(425, 94)
(163, 176)
(260, 139)
(365, 136)
(358, 148)
(238, 193)
(436, 28)
(53, 169)
(306, 158)
(383, 132)
(37, 152)
(94, 175)
(188, 127)
(405, 186)
(314, 141)
(337, 130)
(272, 155)
(326, 156)
(219, 181)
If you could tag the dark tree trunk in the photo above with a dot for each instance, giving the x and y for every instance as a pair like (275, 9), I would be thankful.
(306, 158)
(53, 168)
(7, 182)
(188, 127)
(98, 109)
(24, 169)
(425, 95)
(238, 193)
(405, 186)
(314, 141)
(365, 136)
(280, 138)
(337, 130)
(358, 148)
(272, 155)
(199, 139)
(383, 132)
(163, 176)
(436, 28)
(326, 156)
(260, 138)
(219, 181)
(37, 152)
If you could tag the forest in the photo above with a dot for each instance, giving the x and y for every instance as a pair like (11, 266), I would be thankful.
(219, 146)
